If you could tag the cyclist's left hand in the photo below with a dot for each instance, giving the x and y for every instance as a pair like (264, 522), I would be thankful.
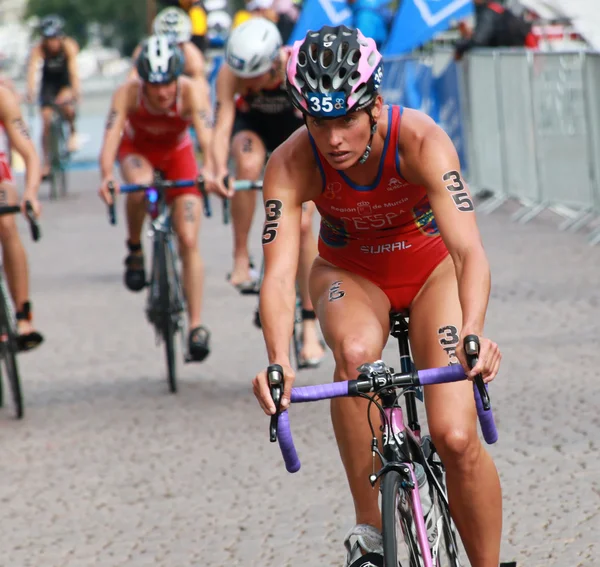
(489, 359)
(35, 204)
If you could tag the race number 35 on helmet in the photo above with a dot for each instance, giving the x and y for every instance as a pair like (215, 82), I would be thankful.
(160, 61)
(252, 48)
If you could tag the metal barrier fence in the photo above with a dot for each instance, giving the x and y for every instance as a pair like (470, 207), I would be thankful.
(534, 131)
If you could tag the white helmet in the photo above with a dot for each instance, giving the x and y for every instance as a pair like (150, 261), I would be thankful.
(173, 22)
(252, 47)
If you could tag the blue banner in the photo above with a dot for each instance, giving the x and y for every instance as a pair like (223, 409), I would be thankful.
(418, 21)
(318, 13)
(411, 83)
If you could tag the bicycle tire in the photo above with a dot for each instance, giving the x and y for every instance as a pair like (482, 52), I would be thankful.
(54, 154)
(8, 334)
(441, 514)
(63, 158)
(166, 319)
(392, 521)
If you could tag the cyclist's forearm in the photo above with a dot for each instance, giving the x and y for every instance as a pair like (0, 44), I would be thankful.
(277, 301)
(220, 149)
(473, 274)
(31, 78)
(107, 159)
(32, 170)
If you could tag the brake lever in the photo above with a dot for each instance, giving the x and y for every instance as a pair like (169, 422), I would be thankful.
(226, 204)
(112, 213)
(205, 199)
(33, 225)
(471, 345)
(275, 377)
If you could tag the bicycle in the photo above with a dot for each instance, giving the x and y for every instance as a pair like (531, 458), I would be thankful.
(166, 303)
(405, 454)
(8, 324)
(297, 343)
(59, 154)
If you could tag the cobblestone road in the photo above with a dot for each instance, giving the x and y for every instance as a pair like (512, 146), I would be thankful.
(108, 469)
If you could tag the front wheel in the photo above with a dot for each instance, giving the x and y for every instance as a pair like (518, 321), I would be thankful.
(400, 547)
(167, 322)
(8, 352)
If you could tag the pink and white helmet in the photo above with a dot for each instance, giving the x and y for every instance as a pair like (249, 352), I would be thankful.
(334, 71)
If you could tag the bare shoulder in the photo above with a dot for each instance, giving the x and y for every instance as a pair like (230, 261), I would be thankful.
(415, 127)
(294, 162)
(128, 92)
(71, 46)
(192, 51)
(226, 80)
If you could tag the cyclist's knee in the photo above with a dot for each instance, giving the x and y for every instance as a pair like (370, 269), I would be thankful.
(188, 241)
(249, 166)
(458, 445)
(352, 351)
(8, 229)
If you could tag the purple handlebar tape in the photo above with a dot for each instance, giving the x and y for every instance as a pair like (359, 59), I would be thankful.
(454, 373)
(319, 392)
(286, 443)
(486, 419)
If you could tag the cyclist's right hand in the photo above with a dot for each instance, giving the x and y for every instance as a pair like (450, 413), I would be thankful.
(219, 187)
(104, 191)
(262, 391)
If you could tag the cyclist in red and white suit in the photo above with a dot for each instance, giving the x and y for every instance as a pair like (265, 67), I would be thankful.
(13, 133)
(398, 233)
(155, 112)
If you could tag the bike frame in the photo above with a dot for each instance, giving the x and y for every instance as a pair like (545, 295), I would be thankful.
(401, 442)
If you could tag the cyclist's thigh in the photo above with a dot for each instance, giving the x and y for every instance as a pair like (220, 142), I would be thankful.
(435, 324)
(249, 152)
(65, 94)
(46, 114)
(352, 311)
(186, 214)
(136, 168)
(8, 196)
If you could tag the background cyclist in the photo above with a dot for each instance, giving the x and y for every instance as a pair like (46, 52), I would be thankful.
(253, 116)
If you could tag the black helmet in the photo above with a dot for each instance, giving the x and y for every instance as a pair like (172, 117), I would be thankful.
(52, 26)
(160, 61)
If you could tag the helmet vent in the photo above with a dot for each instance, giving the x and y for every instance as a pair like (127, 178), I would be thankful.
(338, 79)
(354, 78)
(312, 51)
(372, 58)
(302, 59)
(325, 84)
(342, 51)
(326, 58)
(311, 80)
(353, 57)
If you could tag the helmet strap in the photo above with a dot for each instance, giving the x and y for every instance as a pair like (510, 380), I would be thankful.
(367, 151)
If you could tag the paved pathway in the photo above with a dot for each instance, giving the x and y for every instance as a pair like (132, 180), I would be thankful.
(108, 469)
